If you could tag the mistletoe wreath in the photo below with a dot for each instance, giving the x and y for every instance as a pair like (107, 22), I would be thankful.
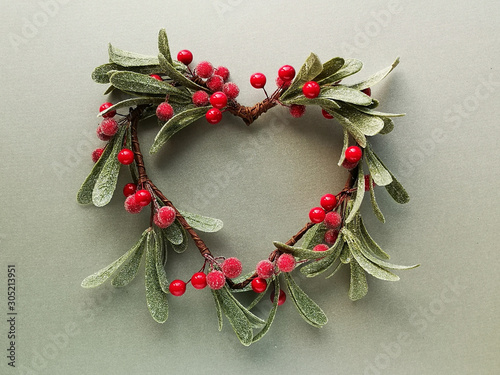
(178, 96)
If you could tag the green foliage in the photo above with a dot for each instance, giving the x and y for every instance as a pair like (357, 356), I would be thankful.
(321, 265)
(358, 285)
(376, 208)
(311, 68)
(360, 192)
(314, 236)
(130, 268)
(202, 223)
(156, 298)
(129, 59)
(102, 73)
(350, 67)
(163, 46)
(176, 75)
(376, 78)
(331, 67)
(379, 173)
(132, 102)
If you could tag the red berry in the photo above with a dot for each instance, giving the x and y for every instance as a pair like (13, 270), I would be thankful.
(131, 205)
(320, 247)
(259, 285)
(218, 100)
(164, 111)
(199, 280)
(213, 116)
(317, 215)
(164, 217)
(282, 84)
(349, 165)
(326, 114)
(331, 236)
(204, 69)
(353, 154)
(367, 182)
(223, 72)
(215, 83)
(286, 263)
(200, 98)
(367, 91)
(232, 268)
(258, 80)
(333, 220)
(105, 106)
(311, 89)
(185, 56)
(126, 156)
(129, 189)
(281, 297)
(216, 280)
(101, 135)
(265, 269)
(297, 110)
(156, 76)
(143, 197)
(96, 154)
(231, 90)
(177, 288)
(328, 201)
(286, 72)
(109, 127)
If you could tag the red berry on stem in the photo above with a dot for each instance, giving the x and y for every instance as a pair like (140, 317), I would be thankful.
(129, 189)
(164, 217)
(156, 76)
(215, 83)
(317, 215)
(200, 98)
(331, 236)
(281, 297)
(223, 72)
(326, 114)
(367, 91)
(204, 69)
(109, 127)
(199, 280)
(311, 89)
(297, 110)
(96, 154)
(286, 263)
(164, 111)
(125, 156)
(218, 100)
(177, 288)
(286, 72)
(213, 116)
(131, 205)
(258, 80)
(265, 269)
(283, 84)
(143, 197)
(348, 165)
(333, 220)
(259, 285)
(232, 267)
(105, 106)
(320, 247)
(185, 56)
(216, 280)
(101, 135)
(353, 154)
(328, 201)
(231, 90)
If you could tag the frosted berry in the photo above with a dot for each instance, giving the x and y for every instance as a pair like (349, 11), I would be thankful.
(185, 56)
(367, 182)
(331, 236)
(129, 189)
(286, 72)
(281, 297)
(200, 98)
(265, 269)
(326, 114)
(101, 135)
(199, 280)
(156, 76)
(333, 220)
(216, 280)
(164, 217)
(311, 89)
(215, 83)
(213, 116)
(164, 111)
(143, 197)
(204, 69)
(348, 165)
(109, 127)
(367, 91)
(320, 247)
(177, 288)
(297, 110)
(317, 215)
(223, 72)
(353, 154)
(105, 106)
(282, 84)
(231, 90)
(218, 100)
(258, 80)
(286, 263)
(125, 156)
(259, 285)
(131, 205)
(96, 154)
(328, 201)
(232, 268)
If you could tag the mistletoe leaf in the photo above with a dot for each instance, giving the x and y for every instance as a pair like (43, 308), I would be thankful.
(236, 317)
(369, 243)
(180, 248)
(377, 77)
(160, 252)
(368, 125)
(350, 67)
(339, 264)
(218, 309)
(255, 321)
(301, 253)
(311, 68)
(102, 275)
(173, 233)
(105, 184)
(259, 296)
(314, 236)
(320, 100)
(130, 267)
(379, 173)
(352, 129)
(397, 191)
(346, 94)
(388, 126)
(344, 148)
(358, 285)
(176, 75)
(137, 84)
(318, 267)
(331, 67)
(272, 313)
(163, 46)
(202, 223)
(376, 208)
(360, 192)
(345, 255)
(371, 112)
(155, 297)
(102, 73)
(307, 308)
(129, 59)
(176, 123)
(132, 102)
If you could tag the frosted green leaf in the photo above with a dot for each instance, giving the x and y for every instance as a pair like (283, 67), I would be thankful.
(350, 67)
(345, 255)
(360, 192)
(140, 83)
(397, 191)
(344, 148)
(376, 208)
(331, 67)
(176, 123)
(102, 73)
(130, 267)
(315, 235)
(130, 59)
(352, 129)
(388, 126)
(379, 173)
(161, 259)
(369, 243)
(371, 112)
(218, 309)
(105, 184)
(345, 94)
(339, 264)
(163, 46)
(202, 223)
(255, 321)
(272, 313)
(102, 275)
(132, 102)
(177, 76)
(311, 68)
(109, 90)
(236, 317)
(184, 244)
(358, 286)
(307, 308)
(173, 233)
(368, 125)
(242, 278)
(377, 77)
(301, 253)
(321, 100)
(155, 297)
(318, 267)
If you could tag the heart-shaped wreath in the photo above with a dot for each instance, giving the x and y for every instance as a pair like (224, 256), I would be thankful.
(178, 96)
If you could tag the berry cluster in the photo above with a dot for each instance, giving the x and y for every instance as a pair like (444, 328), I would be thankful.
(106, 129)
